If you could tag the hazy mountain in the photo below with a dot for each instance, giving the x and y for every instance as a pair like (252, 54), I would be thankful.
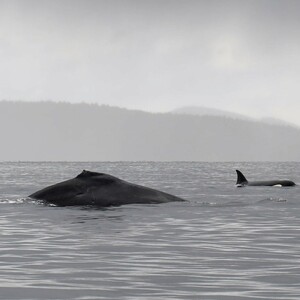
(206, 111)
(275, 121)
(62, 131)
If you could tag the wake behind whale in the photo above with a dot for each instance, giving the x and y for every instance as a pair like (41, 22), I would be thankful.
(102, 190)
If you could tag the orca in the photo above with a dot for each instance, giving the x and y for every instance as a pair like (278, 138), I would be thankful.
(99, 189)
(242, 181)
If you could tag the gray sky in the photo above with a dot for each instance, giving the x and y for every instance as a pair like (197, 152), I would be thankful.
(242, 56)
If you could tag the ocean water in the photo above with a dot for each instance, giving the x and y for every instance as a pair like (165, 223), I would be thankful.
(222, 243)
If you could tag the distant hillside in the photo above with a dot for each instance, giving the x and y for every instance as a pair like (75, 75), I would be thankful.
(62, 131)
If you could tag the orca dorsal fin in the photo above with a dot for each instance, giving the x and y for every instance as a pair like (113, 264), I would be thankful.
(241, 179)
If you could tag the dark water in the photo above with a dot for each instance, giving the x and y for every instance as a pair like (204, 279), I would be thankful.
(224, 243)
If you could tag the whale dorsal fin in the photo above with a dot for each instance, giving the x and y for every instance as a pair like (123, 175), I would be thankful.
(241, 179)
(86, 173)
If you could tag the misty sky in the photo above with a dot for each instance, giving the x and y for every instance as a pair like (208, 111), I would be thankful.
(242, 56)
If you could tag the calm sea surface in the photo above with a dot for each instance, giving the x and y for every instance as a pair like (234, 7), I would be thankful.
(223, 243)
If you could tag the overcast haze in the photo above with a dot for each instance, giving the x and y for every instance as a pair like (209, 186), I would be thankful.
(242, 56)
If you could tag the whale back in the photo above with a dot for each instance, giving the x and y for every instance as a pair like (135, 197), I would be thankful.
(100, 189)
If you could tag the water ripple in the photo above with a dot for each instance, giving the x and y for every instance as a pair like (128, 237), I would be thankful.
(225, 243)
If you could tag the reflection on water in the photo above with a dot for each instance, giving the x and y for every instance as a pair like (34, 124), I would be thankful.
(224, 243)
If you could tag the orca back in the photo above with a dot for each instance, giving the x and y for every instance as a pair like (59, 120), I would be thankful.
(242, 181)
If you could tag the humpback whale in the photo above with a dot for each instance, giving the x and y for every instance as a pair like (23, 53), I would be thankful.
(99, 189)
(242, 181)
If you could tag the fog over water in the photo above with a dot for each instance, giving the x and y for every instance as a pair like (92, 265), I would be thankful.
(168, 94)
(242, 56)
(173, 95)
